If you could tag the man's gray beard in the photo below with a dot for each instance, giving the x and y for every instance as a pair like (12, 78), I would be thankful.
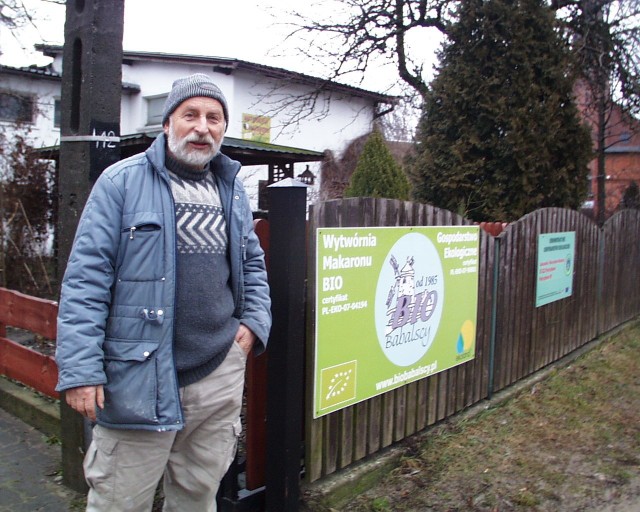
(178, 148)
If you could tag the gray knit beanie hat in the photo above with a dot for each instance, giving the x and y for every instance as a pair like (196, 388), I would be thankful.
(190, 87)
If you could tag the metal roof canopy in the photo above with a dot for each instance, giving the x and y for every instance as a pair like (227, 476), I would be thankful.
(247, 152)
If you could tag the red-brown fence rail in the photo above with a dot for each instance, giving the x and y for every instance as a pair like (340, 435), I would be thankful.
(38, 316)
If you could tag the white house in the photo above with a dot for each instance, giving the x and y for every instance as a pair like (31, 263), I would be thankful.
(279, 119)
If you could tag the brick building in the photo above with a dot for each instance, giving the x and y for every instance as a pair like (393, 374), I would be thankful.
(622, 153)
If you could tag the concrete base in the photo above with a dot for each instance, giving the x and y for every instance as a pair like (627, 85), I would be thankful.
(34, 409)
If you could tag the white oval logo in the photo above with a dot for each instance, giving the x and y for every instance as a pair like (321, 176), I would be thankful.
(409, 299)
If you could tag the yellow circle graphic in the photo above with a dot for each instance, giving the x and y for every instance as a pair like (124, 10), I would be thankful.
(468, 333)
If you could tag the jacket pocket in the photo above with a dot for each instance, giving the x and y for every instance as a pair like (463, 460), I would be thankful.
(131, 390)
(142, 247)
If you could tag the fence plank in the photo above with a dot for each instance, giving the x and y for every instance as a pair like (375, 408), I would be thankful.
(256, 396)
(31, 313)
(29, 367)
(347, 428)
(374, 420)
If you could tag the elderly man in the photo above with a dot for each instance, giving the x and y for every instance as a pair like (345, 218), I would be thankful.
(164, 295)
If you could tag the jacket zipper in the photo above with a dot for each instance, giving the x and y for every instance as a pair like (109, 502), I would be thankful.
(140, 227)
(175, 294)
(228, 212)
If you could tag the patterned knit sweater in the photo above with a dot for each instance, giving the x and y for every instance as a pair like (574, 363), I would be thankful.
(205, 326)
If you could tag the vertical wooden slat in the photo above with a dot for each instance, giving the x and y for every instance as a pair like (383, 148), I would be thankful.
(387, 419)
(432, 410)
(331, 437)
(374, 419)
(315, 434)
(400, 413)
(485, 318)
(422, 403)
(528, 308)
(345, 443)
(502, 335)
(256, 395)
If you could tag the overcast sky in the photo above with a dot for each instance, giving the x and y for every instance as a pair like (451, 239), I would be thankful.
(252, 30)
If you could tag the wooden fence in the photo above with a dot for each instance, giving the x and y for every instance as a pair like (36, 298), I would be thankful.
(514, 338)
(620, 271)
(529, 338)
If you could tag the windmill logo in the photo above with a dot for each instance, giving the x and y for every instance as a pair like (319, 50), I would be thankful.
(338, 384)
(409, 299)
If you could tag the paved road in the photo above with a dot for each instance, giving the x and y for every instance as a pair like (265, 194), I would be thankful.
(29, 471)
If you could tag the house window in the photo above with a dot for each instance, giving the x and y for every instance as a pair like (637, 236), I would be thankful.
(56, 113)
(155, 106)
(625, 137)
(16, 107)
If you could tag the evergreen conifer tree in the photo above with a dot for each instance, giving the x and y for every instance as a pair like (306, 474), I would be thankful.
(377, 174)
(500, 134)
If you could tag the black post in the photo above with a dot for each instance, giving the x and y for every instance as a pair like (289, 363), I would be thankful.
(89, 142)
(285, 385)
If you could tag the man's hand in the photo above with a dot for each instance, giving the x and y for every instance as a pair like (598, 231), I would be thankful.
(84, 400)
(245, 338)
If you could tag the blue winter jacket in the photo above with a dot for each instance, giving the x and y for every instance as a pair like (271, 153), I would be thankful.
(116, 314)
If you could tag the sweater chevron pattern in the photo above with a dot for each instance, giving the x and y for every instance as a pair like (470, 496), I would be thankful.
(205, 327)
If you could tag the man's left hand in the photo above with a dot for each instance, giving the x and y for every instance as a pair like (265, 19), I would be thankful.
(245, 338)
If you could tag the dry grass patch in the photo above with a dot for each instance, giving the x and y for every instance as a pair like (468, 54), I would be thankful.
(569, 443)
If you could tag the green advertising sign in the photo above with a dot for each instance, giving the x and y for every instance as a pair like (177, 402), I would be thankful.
(393, 305)
(556, 256)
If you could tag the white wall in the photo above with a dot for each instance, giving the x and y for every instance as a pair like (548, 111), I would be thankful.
(345, 117)
(46, 91)
(156, 79)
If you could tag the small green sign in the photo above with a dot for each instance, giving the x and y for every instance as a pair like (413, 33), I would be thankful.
(393, 305)
(556, 257)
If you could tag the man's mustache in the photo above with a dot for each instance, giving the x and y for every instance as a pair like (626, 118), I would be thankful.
(200, 139)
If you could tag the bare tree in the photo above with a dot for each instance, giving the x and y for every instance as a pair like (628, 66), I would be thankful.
(16, 14)
(27, 212)
(357, 34)
(400, 124)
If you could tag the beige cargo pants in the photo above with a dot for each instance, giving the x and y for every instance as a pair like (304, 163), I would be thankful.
(123, 467)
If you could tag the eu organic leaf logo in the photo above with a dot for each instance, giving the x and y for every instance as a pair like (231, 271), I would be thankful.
(338, 384)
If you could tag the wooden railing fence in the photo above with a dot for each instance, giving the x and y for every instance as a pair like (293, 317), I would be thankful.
(18, 362)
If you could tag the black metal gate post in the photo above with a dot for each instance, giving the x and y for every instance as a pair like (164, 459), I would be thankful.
(285, 385)
(89, 142)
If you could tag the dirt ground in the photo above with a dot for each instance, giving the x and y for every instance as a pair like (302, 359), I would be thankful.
(570, 443)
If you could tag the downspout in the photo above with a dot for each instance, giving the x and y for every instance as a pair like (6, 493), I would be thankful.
(494, 316)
